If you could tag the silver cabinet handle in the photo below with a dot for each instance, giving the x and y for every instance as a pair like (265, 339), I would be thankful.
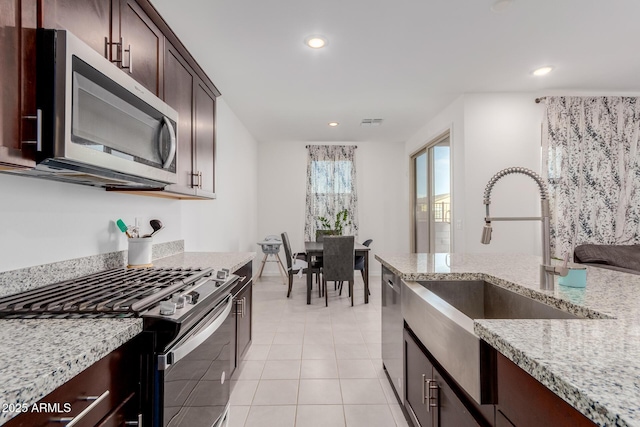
(71, 421)
(38, 119)
(390, 283)
(39, 129)
(198, 175)
(433, 400)
(244, 304)
(192, 343)
(130, 66)
(424, 397)
(172, 140)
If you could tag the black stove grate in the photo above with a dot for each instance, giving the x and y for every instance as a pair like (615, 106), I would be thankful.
(112, 292)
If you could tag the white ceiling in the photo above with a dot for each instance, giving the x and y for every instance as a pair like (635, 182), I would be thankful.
(401, 60)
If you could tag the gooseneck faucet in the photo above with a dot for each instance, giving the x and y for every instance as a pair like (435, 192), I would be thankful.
(547, 271)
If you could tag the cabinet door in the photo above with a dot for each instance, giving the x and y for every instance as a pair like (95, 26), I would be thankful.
(418, 369)
(526, 402)
(89, 20)
(244, 319)
(17, 83)
(142, 46)
(204, 113)
(178, 93)
(452, 412)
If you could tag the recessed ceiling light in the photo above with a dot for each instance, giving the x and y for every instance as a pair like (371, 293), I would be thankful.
(315, 42)
(542, 71)
(333, 124)
(501, 5)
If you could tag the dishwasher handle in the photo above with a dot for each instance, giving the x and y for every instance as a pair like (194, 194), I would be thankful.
(173, 356)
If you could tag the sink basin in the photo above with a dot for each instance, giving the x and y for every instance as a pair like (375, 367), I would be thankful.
(478, 299)
(441, 315)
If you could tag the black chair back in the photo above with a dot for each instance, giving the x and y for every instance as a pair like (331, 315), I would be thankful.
(287, 250)
(338, 258)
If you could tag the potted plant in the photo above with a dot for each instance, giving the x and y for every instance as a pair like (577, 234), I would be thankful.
(338, 225)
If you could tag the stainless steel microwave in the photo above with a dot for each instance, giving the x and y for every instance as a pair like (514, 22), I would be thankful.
(97, 125)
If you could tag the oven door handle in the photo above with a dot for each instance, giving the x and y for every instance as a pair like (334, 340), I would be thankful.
(173, 356)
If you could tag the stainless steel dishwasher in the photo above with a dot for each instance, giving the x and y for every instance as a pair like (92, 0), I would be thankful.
(392, 330)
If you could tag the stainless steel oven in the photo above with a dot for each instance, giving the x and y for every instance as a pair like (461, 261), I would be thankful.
(192, 373)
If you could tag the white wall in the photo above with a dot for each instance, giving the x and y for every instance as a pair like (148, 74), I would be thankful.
(489, 132)
(282, 191)
(45, 221)
(502, 130)
(228, 223)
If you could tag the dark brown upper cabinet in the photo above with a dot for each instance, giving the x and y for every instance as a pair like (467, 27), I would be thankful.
(18, 21)
(132, 35)
(195, 104)
(89, 20)
(140, 45)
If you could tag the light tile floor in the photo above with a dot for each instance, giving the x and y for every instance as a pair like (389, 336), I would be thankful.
(311, 365)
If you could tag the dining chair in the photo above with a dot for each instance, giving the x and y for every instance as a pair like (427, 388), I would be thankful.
(338, 262)
(294, 263)
(359, 263)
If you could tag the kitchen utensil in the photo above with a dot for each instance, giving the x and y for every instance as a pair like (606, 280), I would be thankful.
(156, 224)
(123, 227)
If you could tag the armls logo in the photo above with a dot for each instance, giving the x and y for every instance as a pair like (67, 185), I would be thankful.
(55, 407)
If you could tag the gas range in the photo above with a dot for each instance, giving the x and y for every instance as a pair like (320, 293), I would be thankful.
(169, 293)
(188, 320)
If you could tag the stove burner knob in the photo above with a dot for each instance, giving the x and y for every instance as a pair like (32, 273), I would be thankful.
(179, 300)
(188, 299)
(167, 308)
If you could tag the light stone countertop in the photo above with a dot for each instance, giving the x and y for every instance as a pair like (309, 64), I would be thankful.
(593, 363)
(39, 355)
(217, 260)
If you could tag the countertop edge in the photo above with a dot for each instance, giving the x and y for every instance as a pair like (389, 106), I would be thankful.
(591, 409)
(45, 384)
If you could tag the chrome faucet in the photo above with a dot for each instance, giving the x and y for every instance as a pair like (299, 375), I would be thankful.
(547, 271)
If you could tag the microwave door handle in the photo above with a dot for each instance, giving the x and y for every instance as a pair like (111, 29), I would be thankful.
(172, 140)
(193, 342)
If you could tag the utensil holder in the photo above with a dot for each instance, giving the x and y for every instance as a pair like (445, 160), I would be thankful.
(140, 252)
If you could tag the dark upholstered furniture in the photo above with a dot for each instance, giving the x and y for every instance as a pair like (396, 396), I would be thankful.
(624, 258)
(338, 262)
(294, 264)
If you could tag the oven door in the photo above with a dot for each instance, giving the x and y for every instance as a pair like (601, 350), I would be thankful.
(192, 384)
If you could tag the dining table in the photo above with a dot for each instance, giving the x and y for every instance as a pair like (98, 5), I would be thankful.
(315, 249)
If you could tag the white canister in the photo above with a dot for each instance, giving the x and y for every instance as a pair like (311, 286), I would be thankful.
(140, 252)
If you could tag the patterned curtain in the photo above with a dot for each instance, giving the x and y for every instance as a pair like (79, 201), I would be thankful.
(331, 187)
(591, 146)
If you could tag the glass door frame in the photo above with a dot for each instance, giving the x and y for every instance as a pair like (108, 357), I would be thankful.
(412, 188)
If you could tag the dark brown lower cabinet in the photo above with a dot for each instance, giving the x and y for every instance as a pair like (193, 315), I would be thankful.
(431, 400)
(523, 401)
(243, 298)
(113, 382)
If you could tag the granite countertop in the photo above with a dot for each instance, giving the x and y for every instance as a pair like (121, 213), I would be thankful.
(45, 353)
(217, 260)
(592, 363)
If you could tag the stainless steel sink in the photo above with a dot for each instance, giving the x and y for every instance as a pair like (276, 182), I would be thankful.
(441, 314)
(478, 299)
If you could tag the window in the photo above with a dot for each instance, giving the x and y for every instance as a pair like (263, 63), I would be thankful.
(331, 187)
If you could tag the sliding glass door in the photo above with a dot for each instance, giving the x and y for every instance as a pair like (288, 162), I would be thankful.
(431, 197)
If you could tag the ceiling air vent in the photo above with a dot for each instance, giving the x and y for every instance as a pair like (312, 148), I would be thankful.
(371, 122)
